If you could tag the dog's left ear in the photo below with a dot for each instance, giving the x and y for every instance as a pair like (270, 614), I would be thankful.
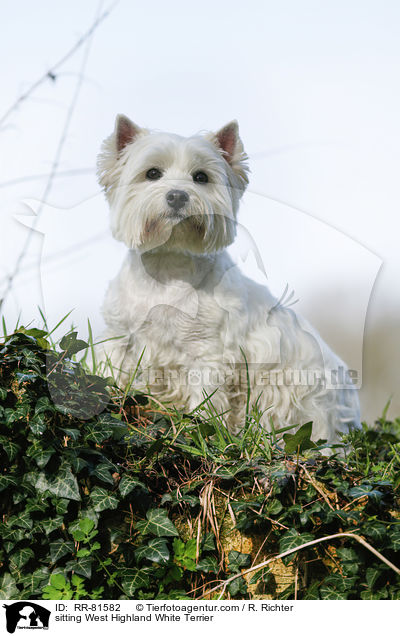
(229, 143)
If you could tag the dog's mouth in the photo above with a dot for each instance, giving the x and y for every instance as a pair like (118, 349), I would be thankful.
(174, 226)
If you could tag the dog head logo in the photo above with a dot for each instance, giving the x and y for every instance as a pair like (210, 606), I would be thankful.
(26, 615)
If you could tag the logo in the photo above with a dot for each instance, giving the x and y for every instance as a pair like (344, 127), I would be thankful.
(26, 615)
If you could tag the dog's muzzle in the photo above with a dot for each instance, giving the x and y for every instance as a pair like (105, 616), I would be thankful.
(176, 199)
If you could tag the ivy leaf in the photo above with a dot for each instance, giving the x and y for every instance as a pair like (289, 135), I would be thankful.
(275, 507)
(237, 586)
(24, 520)
(32, 581)
(8, 480)
(71, 344)
(65, 485)
(98, 433)
(331, 594)
(156, 550)
(208, 543)
(60, 548)
(371, 576)
(39, 454)
(83, 566)
(49, 525)
(8, 588)
(11, 448)
(299, 441)
(375, 530)
(208, 564)
(102, 472)
(19, 559)
(293, 539)
(238, 561)
(38, 424)
(134, 579)
(103, 499)
(128, 483)
(395, 540)
(158, 524)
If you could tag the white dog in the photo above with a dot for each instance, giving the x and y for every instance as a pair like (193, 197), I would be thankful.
(182, 316)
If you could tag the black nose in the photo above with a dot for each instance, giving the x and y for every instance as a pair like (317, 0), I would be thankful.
(177, 199)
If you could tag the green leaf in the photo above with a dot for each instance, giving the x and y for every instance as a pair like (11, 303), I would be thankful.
(237, 586)
(38, 424)
(371, 576)
(369, 595)
(134, 579)
(394, 538)
(19, 559)
(71, 344)
(51, 524)
(331, 594)
(103, 499)
(8, 588)
(293, 539)
(299, 441)
(158, 524)
(102, 472)
(83, 566)
(156, 550)
(39, 454)
(208, 543)
(58, 581)
(98, 433)
(65, 485)
(32, 582)
(60, 548)
(23, 520)
(208, 564)
(86, 525)
(238, 561)
(128, 483)
(375, 530)
(11, 448)
(8, 480)
(312, 593)
(274, 508)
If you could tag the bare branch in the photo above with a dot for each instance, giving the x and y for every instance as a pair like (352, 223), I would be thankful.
(51, 73)
(340, 535)
(38, 177)
(56, 160)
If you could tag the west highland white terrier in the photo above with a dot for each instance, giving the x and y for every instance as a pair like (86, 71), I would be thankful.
(182, 316)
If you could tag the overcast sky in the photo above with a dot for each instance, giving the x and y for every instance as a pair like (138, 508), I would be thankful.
(315, 88)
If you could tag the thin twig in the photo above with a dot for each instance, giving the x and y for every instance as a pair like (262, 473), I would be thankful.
(317, 487)
(57, 157)
(339, 535)
(51, 73)
(39, 177)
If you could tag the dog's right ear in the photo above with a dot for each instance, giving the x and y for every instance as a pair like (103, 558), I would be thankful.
(125, 132)
(111, 158)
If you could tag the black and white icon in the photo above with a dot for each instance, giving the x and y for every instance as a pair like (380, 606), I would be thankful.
(26, 615)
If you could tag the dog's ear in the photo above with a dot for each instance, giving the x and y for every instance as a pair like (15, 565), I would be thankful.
(111, 157)
(125, 132)
(227, 139)
(229, 143)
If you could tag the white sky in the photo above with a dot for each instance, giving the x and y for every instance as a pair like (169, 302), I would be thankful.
(315, 88)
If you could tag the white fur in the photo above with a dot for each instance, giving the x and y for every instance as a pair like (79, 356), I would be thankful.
(181, 305)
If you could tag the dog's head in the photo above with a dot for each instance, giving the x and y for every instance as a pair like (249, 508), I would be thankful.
(167, 190)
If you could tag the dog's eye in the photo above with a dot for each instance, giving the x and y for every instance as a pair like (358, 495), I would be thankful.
(200, 177)
(153, 174)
